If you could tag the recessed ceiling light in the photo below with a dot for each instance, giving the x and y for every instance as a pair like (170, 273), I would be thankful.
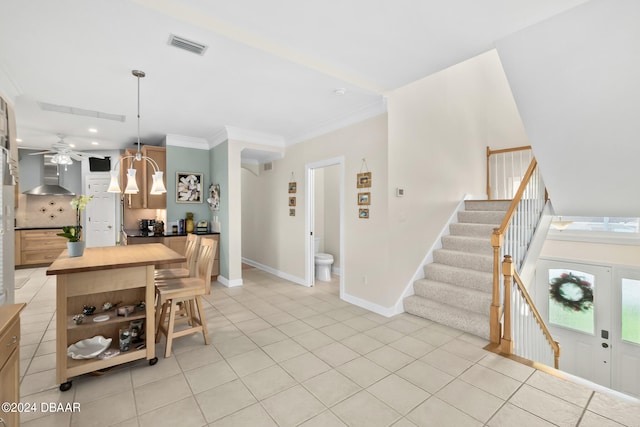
(72, 145)
(94, 143)
(340, 91)
(93, 130)
(18, 140)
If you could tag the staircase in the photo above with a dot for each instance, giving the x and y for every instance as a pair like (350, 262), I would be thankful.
(457, 287)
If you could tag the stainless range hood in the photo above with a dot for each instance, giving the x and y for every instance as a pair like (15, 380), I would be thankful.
(51, 182)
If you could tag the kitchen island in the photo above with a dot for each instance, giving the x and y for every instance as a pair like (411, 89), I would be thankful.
(120, 275)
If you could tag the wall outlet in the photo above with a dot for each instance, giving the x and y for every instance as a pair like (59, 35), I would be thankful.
(399, 192)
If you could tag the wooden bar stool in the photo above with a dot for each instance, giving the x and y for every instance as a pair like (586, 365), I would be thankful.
(188, 291)
(190, 252)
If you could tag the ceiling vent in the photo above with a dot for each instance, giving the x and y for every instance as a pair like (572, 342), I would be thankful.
(184, 44)
(80, 112)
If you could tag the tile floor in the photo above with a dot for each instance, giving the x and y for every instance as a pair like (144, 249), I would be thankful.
(286, 355)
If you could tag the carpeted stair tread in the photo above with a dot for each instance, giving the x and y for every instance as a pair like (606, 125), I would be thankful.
(481, 217)
(456, 296)
(471, 279)
(465, 320)
(487, 205)
(476, 245)
(464, 260)
(472, 230)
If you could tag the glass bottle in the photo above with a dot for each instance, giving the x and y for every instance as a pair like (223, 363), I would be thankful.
(189, 223)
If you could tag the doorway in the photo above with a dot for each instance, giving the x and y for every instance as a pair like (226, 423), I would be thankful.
(593, 312)
(331, 241)
(100, 214)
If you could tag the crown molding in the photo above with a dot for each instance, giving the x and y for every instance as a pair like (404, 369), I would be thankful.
(218, 137)
(186, 142)
(255, 137)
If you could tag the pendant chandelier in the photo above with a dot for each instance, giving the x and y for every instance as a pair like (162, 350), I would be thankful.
(132, 187)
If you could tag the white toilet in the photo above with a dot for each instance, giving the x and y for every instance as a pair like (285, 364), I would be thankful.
(323, 262)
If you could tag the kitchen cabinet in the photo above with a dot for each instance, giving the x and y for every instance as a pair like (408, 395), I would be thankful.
(122, 275)
(38, 246)
(10, 361)
(144, 180)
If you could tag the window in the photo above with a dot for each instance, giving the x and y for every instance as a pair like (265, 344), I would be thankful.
(571, 299)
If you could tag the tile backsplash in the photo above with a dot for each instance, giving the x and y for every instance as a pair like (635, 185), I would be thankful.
(44, 211)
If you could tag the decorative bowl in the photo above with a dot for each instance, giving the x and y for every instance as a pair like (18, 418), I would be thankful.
(89, 348)
(88, 309)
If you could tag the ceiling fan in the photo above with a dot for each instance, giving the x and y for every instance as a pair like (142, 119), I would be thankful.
(64, 154)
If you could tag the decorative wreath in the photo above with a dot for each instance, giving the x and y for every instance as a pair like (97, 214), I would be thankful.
(572, 292)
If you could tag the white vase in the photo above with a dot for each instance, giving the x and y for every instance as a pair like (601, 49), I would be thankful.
(75, 249)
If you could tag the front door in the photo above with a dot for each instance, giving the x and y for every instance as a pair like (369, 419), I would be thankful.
(575, 301)
(100, 213)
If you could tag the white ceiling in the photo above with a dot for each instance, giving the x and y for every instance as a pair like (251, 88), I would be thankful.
(271, 67)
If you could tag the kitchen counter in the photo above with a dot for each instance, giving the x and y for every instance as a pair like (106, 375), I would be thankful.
(141, 233)
(39, 228)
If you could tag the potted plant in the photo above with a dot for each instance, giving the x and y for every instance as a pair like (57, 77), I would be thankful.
(75, 245)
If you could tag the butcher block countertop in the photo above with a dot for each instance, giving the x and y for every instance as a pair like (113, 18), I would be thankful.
(113, 257)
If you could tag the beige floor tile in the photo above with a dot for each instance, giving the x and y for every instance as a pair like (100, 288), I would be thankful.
(40, 381)
(361, 323)
(253, 416)
(302, 312)
(295, 328)
(390, 358)
(338, 331)
(252, 325)
(340, 314)
(508, 367)
(566, 390)
(268, 381)
(490, 381)
(446, 330)
(198, 357)
(292, 406)
(49, 396)
(157, 394)
(436, 413)
(364, 410)
(279, 318)
(470, 399)
(51, 420)
(384, 335)
(45, 347)
(235, 346)
(546, 406)
(144, 373)
(591, 419)
(325, 419)
(249, 362)
(621, 411)
(363, 371)
(42, 363)
(267, 336)
(96, 413)
(431, 336)
(224, 333)
(305, 366)
(398, 393)
(28, 351)
(224, 399)
(403, 422)
(283, 350)
(184, 412)
(241, 316)
(313, 339)
(380, 320)
(403, 325)
(90, 388)
(510, 415)
(209, 376)
(362, 343)
(425, 376)
(464, 350)
(412, 346)
(472, 339)
(447, 362)
(319, 321)
(331, 387)
(335, 354)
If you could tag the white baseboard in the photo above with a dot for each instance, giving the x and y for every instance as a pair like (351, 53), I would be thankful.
(229, 283)
(383, 311)
(281, 274)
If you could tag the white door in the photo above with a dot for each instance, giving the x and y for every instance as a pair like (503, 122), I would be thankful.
(626, 332)
(100, 213)
(575, 301)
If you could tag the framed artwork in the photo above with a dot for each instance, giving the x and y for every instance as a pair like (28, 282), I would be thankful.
(188, 187)
(364, 180)
(364, 198)
(214, 197)
(363, 213)
(292, 201)
(292, 212)
(292, 187)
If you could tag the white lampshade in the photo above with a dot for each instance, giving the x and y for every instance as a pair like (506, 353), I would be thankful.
(158, 186)
(114, 187)
(132, 185)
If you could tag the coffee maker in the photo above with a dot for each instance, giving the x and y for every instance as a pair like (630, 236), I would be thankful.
(146, 226)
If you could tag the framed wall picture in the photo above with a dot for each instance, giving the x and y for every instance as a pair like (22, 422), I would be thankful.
(214, 197)
(292, 201)
(188, 187)
(292, 187)
(364, 180)
(364, 198)
(363, 213)
(292, 212)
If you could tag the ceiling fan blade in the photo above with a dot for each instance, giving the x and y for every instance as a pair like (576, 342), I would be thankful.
(42, 152)
(87, 155)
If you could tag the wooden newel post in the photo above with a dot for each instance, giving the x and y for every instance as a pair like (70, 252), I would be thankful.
(506, 345)
(495, 331)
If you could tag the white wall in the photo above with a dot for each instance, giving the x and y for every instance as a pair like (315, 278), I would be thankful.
(332, 213)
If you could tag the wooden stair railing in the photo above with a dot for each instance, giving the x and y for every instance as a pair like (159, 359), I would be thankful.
(521, 315)
(502, 166)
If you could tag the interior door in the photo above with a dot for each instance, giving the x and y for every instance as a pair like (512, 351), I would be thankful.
(100, 213)
(575, 301)
(626, 333)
